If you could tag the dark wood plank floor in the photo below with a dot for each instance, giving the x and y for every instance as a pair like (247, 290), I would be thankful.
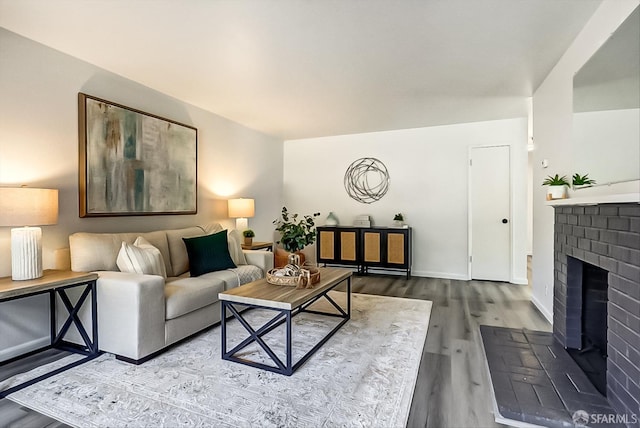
(14, 415)
(452, 389)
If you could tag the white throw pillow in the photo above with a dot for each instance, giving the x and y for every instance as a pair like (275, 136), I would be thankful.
(141, 257)
(235, 247)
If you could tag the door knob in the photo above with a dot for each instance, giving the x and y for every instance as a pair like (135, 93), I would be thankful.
(505, 221)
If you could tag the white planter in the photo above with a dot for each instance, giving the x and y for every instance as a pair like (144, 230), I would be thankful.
(582, 186)
(557, 192)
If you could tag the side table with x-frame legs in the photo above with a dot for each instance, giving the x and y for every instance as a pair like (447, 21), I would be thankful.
(56, 283)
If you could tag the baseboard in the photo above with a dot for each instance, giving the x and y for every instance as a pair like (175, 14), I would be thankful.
(520, 281)
(442, 275)
(23, 348)
(399, 272)
(545, 313)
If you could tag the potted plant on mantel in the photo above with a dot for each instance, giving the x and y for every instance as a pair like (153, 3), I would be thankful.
(580, 181)
(248, 236)
(557, 187)
(296, 231)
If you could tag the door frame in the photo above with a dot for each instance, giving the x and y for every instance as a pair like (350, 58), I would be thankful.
(470, 207)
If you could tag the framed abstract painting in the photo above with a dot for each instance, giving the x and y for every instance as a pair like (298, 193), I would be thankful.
(134, 163)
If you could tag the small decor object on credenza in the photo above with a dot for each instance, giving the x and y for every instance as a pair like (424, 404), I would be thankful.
(362, 221)
(366, 180)
(134, 163)
(398, 220)
(557, 187)
(331, 220)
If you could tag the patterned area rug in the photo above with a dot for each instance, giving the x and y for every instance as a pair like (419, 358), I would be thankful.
(363, 376)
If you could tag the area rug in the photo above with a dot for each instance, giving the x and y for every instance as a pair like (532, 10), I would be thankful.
(363, 376)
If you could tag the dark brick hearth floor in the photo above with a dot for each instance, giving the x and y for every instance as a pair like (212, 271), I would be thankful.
(536, 381)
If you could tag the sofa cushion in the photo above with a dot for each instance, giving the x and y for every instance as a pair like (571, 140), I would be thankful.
(234, 277)
(159, 240)
(99, 251)
(141, 257)
(208, 253)
(235, 247)
(184, 295)
(177, 249)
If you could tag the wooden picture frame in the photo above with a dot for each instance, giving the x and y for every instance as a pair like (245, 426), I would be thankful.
(134, 163)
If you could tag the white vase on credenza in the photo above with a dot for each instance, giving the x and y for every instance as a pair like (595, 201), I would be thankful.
(331, 220)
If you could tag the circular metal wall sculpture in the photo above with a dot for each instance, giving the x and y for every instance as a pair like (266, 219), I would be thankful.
(366, 180)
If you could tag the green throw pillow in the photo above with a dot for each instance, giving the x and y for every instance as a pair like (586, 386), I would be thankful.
(208, 253)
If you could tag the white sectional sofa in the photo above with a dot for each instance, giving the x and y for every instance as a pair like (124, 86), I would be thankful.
(140, 315)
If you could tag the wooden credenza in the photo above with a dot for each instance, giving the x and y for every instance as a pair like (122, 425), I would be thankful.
(387, 248)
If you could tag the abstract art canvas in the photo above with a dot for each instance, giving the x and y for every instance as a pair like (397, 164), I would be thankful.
(134, 163)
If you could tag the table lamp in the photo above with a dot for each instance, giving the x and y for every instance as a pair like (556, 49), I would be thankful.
(241, 209)
(25, 206)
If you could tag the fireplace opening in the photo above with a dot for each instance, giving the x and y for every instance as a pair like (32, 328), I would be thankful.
(592, 356)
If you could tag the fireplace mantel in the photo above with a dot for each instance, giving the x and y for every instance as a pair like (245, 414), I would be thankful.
(597, 199)
(611, 193)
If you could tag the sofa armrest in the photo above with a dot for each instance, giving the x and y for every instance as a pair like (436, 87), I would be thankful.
(131, 313)
(262, 259)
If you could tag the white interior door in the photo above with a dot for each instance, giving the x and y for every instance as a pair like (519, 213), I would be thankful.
(490, 187)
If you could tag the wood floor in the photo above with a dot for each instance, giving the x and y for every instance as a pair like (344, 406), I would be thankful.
(452, 389)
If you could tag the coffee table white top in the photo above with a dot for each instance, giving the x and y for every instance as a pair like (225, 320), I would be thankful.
(262, 293)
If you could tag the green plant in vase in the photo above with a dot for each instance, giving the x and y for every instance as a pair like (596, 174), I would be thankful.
(296, 231)
(248, 236)
(398, 219)
(557, 186)
(582, 180)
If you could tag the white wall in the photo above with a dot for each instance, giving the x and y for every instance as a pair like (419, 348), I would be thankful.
(552, 112)
(530, 203)
(604, 138)
(39, 147)
(428, 170)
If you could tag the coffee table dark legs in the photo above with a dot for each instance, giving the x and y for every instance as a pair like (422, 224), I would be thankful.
(282, 316)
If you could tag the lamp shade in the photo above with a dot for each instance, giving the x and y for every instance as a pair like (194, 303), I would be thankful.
(25, 206)
(241, 208)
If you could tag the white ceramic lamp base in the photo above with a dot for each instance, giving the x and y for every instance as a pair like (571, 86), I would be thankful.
(242, 224)
(26, 253)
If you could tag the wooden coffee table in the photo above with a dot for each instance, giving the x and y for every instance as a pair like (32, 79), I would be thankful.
(286, 302)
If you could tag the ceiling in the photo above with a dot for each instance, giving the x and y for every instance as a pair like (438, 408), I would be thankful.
(309, 68)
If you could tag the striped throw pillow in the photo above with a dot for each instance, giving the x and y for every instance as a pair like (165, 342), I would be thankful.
(141, 257)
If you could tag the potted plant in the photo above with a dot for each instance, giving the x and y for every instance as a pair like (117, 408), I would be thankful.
(557, 187)
(580, 181)
(296, 231)
(248, 236)
(398, 219)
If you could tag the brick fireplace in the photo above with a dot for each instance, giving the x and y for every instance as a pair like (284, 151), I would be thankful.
(606, 236)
